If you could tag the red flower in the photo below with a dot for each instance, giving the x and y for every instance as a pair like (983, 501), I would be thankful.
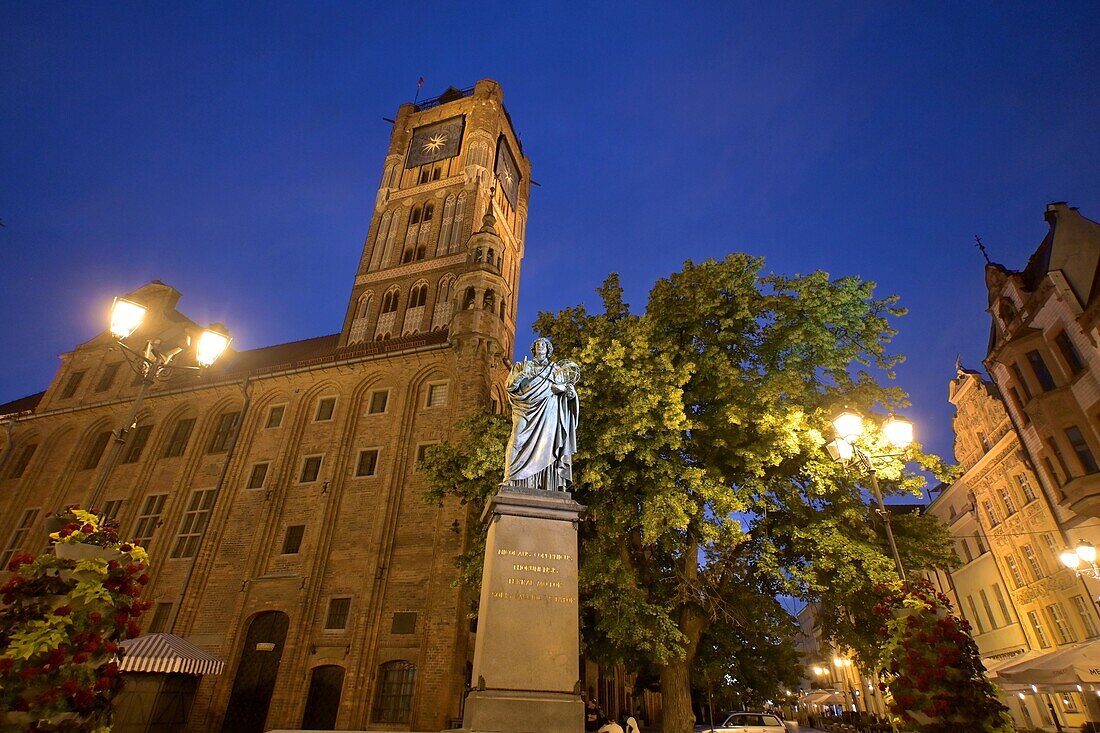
(19, 560)
(103, 683)
(95, 617)
(6, 665)
(110, 647)
(20, 705)
(28, 672)
(81, 657)
(132, 630)
(111, 669)
(62, 611)
(87, 528)
(143, 579)
(126, 547)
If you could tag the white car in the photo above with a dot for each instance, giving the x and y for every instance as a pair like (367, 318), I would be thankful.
(749, 723)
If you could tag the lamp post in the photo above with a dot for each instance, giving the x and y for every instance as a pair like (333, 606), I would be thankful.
(1085, 552)
(152, 362)
(849, 426)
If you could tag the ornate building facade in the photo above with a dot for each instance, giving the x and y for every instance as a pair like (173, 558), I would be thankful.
(278, 492)
(1044, 358)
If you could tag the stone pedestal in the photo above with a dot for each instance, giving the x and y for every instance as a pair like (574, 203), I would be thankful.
(526, 676)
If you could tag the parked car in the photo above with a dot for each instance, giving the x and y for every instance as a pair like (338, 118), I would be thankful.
(748, 723)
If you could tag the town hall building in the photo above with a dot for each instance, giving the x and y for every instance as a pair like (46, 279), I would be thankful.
(277, 492)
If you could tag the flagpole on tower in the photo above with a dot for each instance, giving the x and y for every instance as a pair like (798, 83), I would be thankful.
(419, 84)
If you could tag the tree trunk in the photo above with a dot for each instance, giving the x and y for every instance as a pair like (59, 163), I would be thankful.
(676, 713)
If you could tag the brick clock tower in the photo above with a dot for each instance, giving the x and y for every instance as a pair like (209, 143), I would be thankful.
(446, 239)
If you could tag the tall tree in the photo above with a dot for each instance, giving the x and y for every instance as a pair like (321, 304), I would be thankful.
(701, 456)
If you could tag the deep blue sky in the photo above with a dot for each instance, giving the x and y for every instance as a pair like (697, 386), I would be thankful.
(233, 151)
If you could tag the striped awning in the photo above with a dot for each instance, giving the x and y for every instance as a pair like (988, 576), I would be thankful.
(167, 653)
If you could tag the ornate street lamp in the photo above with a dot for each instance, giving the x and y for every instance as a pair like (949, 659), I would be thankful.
(849, 426)
(154, 361)
(1085, 552)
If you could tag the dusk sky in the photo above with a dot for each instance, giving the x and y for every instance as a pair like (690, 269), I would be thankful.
(234, 150)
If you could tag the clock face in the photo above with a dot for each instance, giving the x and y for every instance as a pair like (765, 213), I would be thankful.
(436, 141)
(507, 171)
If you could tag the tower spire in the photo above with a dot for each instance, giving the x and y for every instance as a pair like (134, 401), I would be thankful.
(982, 248)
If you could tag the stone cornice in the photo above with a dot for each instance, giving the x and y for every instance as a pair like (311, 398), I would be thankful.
(412, 268)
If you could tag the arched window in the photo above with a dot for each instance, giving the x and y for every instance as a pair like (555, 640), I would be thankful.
(488, 301)
(429, 210)
(393, 703)
(479, 255)
(469, 299)
(419, 295)
(363, 306)
(415, 217)
(421, 251)
(407, 256)
(390, 301)
(502, 309)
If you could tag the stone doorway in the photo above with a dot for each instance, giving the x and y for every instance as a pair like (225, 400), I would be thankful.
(256, 671)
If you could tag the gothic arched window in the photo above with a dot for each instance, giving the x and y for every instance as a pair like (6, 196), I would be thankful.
(414, 218)
(469, 299)
(429, 210)
(390, 301)
(419, 295)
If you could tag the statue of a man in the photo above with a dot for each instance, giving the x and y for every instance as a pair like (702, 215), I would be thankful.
(544, 421)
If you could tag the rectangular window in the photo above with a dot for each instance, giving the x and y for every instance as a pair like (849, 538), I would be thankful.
(1053, 474)
(1033, 562)
(988, 608)
(293, 540)
(135, 443)
(275, 416)
(1015, 395)
(258, 476)
(111, 509)
(1056, 451)
(194, 523)
(1069, 353)
(149, 519)
(1081, 448)
(1037, 627)
(1014, 570)
(1019, 374)
(21, 463)
(1006, 500)
(159, 624)
(368, 462)
(325, 408)
(337, 617)
(395, 692)
(991, 515)
(227, 423)
(967, 557)
(437, 395)
(1060, 624)
(980, 543)
(180, 435)
(107, 378)
(378, 401)
(72, 384)
(403, 623)
(95, 450)
(974, 614)
(1039, 369)
(311, 468)
(18, 537)
(1025, 487)
(1002, 604)
(1088, 618)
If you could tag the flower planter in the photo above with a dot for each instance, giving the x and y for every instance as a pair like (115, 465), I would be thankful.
(78, 551)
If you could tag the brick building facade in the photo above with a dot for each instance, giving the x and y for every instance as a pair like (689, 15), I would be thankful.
(277, 491)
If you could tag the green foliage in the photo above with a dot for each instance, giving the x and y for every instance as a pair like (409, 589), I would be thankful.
(701, 458)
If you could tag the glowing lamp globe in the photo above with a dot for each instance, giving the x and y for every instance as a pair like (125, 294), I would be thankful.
(1086, 551)
(212, 343)
(898, 432)
(848, 426)
(126, 316)
(1070, 559)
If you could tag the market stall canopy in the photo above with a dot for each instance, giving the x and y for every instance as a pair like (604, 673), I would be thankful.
(1079, 664)
(821, 697)
(167, 653)
(993, 667)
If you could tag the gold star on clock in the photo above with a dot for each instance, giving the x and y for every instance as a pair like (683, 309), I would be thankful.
(435, 142)
(507, 176)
